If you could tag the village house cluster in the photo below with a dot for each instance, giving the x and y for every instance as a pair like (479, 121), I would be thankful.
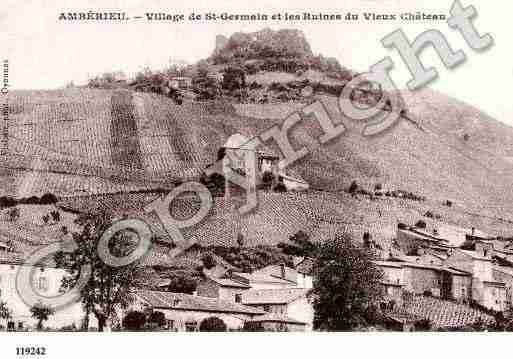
(463, 266)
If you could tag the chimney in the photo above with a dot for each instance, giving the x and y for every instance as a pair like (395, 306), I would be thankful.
(473, 231)
(282, 270)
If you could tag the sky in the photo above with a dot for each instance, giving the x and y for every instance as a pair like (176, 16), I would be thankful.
(44, 52)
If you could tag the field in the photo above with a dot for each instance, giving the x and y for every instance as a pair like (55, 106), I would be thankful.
(87, 142)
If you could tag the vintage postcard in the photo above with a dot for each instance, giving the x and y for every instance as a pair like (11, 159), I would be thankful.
(341, 166)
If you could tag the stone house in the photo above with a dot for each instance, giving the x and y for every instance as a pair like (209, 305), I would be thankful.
(184, 312)
(222, 288)
(292, 303)
(486, 291)
(46, 282)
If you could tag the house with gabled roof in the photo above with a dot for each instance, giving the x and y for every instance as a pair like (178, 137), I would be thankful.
(289, 302)
(184, 312)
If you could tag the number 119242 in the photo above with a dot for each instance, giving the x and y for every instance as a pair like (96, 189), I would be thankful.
(29, 351)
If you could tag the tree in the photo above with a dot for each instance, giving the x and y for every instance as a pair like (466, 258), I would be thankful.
(48, 198)
(212, 324)
(299, 245)
(6, 202)
(41, 312)
(5, 312)
(420, 224)
(240, 239)
(134, 320)
(234, 79)
(157, 319)
(346, 289)
(208, 260)
(56, 216)
(14, 214)
(183, 280)
(107, 286)
(353, 187)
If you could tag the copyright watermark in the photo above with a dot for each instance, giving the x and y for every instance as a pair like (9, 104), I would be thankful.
(377, 116)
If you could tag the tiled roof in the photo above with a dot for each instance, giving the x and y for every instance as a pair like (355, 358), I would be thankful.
(264, 278)
(273, 296)
(276, 318)
(226, 282)
(180, 301)
(275, 272)
(474, 255)
(443, 313)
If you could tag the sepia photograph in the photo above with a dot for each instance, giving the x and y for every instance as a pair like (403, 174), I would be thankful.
(266, 168)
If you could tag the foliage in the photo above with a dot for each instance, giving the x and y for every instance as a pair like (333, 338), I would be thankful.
(157, 318)
(41, 312)
(6, 202)
(208, 260)
(48, 198)
(107, 286)
(13, 214)
(5, 312)
(134, 320)
(183, 280)
(253, 327)
(280, 187)
(249, 259)
(299, 245)
(353, 187)
(346, 289)
(212, 324)
(234, 79)
(420, 224)
(240, 239)
(56, 216)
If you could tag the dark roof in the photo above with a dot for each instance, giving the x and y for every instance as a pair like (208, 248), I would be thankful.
(273, 296)
(181, 301)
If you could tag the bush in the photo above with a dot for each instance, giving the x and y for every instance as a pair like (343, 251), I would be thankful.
(134, 320)
(401, 225)
(30, 200)
(280, 187)
(48, 198)
(208, 261)
(14, 214)
(421, 224)
(253, 327)
(158, 319)
(6, 202)
(353, 187)
(212, 324)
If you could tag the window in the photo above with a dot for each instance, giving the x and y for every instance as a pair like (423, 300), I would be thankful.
(42, 284)
(20, 325)
(238, 298)
(267, 308)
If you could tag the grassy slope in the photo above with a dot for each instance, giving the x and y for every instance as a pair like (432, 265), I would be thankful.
(427, 157)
